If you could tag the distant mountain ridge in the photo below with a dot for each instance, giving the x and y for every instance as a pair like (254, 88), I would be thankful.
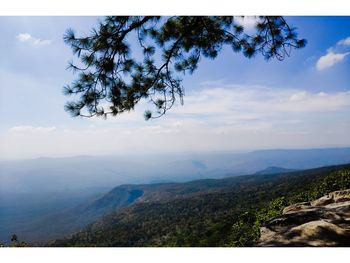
(157, 217)
(71, 173)
(275, 170)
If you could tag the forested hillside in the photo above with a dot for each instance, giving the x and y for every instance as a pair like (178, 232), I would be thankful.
(227, 212)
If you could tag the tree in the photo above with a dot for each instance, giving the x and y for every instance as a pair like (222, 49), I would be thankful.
(15, 242)
(14, 238)
(112, 81)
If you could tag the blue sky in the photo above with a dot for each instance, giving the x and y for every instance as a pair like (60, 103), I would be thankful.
(231, 103)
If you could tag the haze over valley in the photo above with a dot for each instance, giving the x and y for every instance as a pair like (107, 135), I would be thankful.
(35, 192)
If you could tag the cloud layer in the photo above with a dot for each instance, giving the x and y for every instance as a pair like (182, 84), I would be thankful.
(224, 117)
(31, 129)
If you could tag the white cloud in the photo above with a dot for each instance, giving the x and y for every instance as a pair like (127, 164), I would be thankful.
(344, 42)
(32, 129)
(330, 59)
(248, 23)
(299, 96)
(25, 37)
(334, 55)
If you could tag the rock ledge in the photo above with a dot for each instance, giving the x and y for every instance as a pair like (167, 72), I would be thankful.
(323, 222)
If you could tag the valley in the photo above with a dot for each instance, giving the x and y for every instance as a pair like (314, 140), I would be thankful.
(40, 217)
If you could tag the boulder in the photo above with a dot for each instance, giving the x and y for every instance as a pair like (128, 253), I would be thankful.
(324, 200)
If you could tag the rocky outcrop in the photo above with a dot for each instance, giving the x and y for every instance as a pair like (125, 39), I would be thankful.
(323, 222)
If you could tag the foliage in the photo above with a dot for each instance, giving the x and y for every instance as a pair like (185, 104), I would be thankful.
(111, 80)
(332, 182)
(245, 231)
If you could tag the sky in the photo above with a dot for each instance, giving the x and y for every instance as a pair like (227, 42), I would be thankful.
(231, 103)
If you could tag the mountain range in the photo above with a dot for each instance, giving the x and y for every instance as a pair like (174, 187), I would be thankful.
(82, 172)
(75, 192)
(216, 212)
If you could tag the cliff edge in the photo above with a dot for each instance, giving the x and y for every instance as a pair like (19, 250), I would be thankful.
(321, 223)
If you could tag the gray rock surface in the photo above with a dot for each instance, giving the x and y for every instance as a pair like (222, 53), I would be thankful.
(323, 222)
